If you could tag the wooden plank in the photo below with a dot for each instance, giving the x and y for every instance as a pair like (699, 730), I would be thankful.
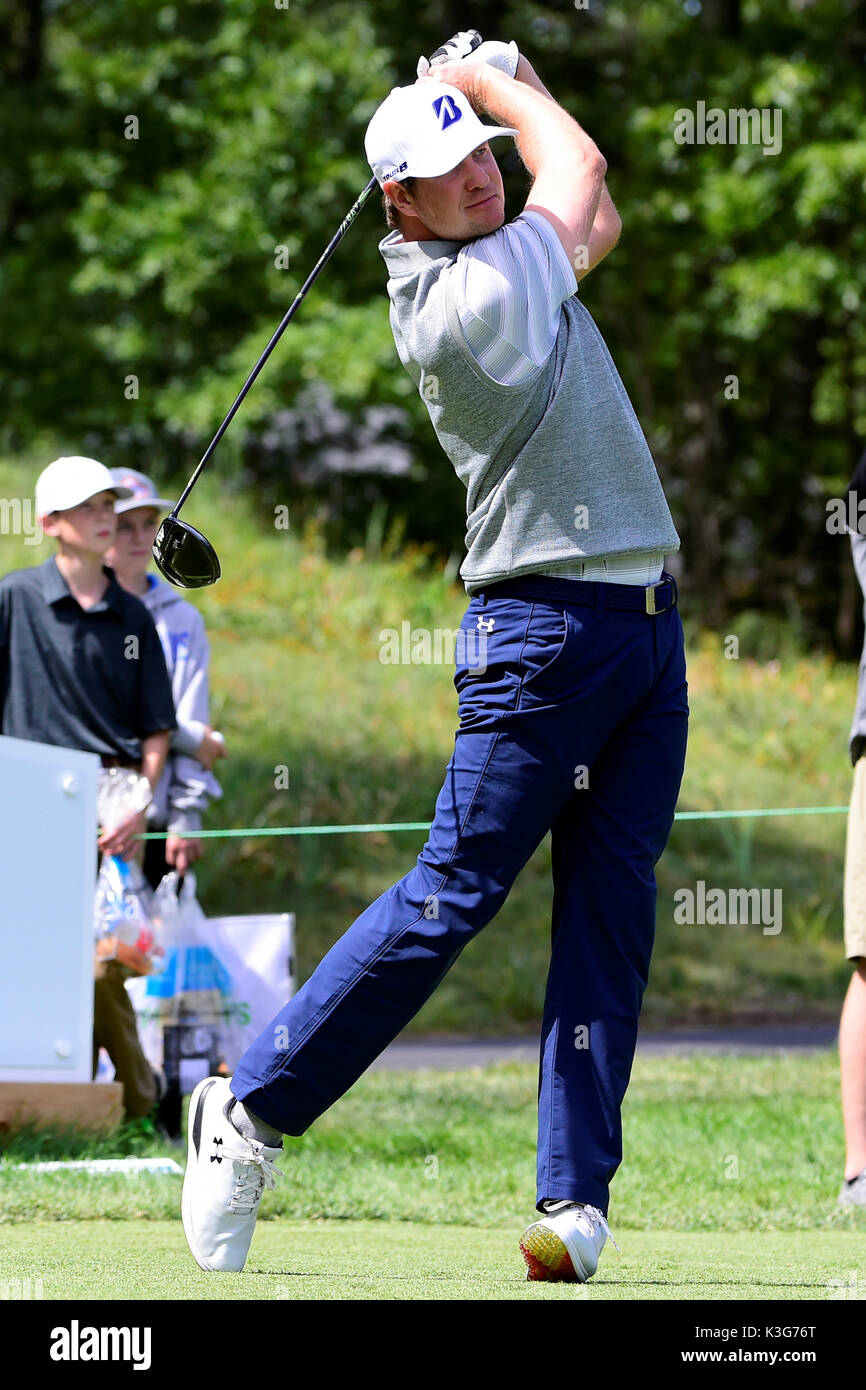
(63, 1105)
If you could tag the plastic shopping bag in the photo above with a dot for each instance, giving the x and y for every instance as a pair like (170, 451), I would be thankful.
(192, 980)
(123, 923)
(120, 792)
(224, 979)
(123, 920)
(183, 1010)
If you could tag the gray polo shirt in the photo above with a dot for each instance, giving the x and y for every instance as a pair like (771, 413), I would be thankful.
(527, 404)
(93, 679)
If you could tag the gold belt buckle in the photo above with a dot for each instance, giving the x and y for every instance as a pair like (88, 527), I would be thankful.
(651, 608)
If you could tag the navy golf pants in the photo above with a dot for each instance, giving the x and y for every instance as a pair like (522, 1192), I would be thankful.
(573, 720)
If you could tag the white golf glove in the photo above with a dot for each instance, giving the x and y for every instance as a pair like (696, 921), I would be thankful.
(504, 56)
(468, 43)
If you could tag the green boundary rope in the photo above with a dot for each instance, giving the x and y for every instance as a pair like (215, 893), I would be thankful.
(256, 830)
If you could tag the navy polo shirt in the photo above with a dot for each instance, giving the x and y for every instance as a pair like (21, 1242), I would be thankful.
(89, 678)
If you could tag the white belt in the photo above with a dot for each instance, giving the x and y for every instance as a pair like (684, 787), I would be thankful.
(643, 567)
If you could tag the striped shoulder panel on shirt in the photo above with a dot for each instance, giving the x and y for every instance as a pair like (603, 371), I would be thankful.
(508, 291)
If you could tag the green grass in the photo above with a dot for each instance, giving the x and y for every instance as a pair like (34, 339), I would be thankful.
(712, 1142)
(297, 683)
(298, 1260)
(417, 1185)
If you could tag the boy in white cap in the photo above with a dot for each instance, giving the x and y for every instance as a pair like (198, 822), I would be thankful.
(188, 784)
(577, 722)
(81, 666)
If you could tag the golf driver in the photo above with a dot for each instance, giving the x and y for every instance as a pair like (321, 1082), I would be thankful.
(182, 553)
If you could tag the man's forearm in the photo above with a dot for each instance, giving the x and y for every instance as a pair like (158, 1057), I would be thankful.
(549, 137)
(607, 220)
(608, 223)
(154, 751)
(526, 73)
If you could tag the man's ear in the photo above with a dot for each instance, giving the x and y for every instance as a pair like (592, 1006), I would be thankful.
(49, 524)
(400, 196)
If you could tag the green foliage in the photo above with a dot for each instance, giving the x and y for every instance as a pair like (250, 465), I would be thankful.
(156, 256)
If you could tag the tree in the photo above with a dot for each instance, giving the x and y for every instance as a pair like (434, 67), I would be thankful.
(171, 174)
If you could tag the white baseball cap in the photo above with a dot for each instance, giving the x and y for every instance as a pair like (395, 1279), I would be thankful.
(139, 490)
(69, 481)
(424, 130)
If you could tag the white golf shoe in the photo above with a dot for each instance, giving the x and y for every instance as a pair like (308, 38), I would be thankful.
(853, 1193)
(566, 1243)
(225, 1177)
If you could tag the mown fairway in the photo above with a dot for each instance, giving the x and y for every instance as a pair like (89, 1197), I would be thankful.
(375, 1260)
(417, 1185)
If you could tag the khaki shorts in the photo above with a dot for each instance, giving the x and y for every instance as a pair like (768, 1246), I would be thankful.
(855, 867)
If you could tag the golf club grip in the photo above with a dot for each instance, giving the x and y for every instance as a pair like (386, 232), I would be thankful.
(278, 333)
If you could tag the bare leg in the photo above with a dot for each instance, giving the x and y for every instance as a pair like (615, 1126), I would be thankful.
(852, 1062)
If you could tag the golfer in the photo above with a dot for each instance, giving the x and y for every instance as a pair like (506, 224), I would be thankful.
(575, 720)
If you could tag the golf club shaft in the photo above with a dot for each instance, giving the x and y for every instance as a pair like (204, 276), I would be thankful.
(326, 255)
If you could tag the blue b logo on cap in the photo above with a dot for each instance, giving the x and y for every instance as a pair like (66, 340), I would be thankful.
(447, 110)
